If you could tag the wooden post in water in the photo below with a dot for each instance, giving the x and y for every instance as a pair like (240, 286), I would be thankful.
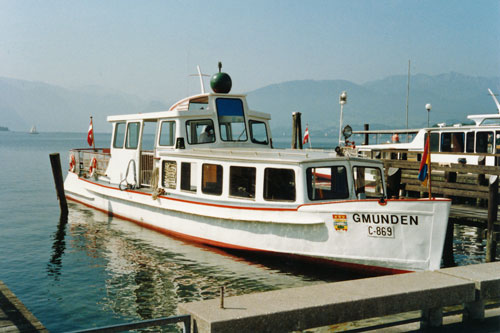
(448, 259)
(367, 136)
(296, 130)
(393, 182)
(492, 218)
(55, 162)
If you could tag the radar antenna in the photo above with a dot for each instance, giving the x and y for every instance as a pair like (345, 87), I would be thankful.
(200, 75)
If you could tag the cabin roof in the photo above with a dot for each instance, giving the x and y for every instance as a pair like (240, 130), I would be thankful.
(290, 156)
(181, 105)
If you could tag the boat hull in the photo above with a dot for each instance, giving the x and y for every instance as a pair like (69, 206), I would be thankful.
(390, 236)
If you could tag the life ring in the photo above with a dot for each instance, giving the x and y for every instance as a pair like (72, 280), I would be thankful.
(93, 167)
(72, 163)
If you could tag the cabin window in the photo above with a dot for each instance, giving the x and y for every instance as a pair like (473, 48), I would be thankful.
(169, 179)
(324, 183)
(484, 142)
(119, 135)
(279, 184)
(211, 179)
(231, 119)
(148, 135)
(200, 131)
(368, 182)
(197, 104)
(497, 142)
(470, 142)
(452, 142)
(242, 182)
(434, 145)
(167, 133)
(258, 132)
(132, 135)
(188, 176)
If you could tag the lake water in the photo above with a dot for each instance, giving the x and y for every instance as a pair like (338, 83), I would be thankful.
(97, 270)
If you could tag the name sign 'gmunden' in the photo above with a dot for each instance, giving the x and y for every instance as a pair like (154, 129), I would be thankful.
(386, 219)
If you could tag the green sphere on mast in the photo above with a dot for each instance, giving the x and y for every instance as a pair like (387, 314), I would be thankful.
(221, 82)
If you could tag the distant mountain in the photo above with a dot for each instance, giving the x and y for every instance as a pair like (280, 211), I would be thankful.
(56, 109)
(381, 103)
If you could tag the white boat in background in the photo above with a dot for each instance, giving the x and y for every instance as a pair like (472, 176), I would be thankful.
(33, 130)
(455, 144)
(212, 176)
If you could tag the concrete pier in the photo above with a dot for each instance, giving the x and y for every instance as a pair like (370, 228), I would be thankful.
(14, 316)
(332, 303)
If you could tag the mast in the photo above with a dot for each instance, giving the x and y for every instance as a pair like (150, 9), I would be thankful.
(407, 98)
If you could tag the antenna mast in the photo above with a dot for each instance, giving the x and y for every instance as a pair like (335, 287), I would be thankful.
(495, 99)
(200, 75)
(407, 99)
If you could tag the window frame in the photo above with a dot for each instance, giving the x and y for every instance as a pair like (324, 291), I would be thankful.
(219, 170)
(117, 125)
(342, 195)
(173, 129)
(266, 186)
(252, 182)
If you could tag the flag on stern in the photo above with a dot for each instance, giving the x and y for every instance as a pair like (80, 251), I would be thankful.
(425, 163)
(306, 136)
(90, 134)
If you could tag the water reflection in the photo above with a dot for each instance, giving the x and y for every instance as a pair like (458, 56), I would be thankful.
(58, 247)
(147, 274)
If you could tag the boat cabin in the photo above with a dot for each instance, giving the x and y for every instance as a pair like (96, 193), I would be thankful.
(206, 120)
(211, 146)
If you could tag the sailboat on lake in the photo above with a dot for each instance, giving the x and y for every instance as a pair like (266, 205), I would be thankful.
(33, 130)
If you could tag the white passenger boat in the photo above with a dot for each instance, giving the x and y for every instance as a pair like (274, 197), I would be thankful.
(212, 176)
(458, 143)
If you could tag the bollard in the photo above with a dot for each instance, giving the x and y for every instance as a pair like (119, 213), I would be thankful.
(55, 162)
(222, 297)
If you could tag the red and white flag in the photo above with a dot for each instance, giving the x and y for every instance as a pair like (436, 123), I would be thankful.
(90, 134)
(306, 136)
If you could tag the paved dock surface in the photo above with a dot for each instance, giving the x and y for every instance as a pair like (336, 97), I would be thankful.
(302, 308)
(14, 316)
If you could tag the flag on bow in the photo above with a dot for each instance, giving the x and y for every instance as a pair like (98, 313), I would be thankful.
(90, 134)
(425, 164)
(306, 136)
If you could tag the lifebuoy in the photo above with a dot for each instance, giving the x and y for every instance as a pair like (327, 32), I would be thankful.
(72, 163)
(93, 166)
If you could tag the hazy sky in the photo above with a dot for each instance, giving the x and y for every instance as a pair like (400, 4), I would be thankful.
(149, 48)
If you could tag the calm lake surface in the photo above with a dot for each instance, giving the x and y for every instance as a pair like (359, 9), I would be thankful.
(97, 270)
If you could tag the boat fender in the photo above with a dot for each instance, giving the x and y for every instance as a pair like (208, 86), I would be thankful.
(72, 163)
(382, 202)
(93, 167)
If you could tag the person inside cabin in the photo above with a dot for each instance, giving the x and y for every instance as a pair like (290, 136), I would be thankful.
(207, 135)
(395, 138)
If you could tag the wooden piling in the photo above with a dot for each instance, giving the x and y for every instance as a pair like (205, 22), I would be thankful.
(393, 182)
(448, 258)
(492, 218)
(296, 130)
(55, 162)
(367, 136)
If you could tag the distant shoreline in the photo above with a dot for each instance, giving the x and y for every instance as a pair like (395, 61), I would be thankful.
(4, 129)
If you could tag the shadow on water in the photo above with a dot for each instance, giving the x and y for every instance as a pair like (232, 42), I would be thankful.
(58, 247)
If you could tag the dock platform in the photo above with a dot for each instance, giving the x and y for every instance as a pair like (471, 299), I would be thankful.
(340, 302)
(14, 316)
